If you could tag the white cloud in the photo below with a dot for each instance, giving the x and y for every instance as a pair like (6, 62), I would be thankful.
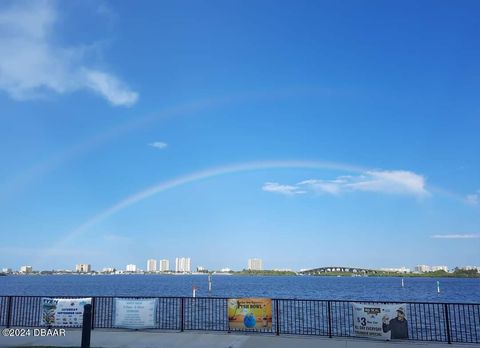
(474, 198)
(456, 236)
(390, 182)
(333, 187)
(159, 145)
(110, 87)
(282, 189)
(33, 63)
(395, 181)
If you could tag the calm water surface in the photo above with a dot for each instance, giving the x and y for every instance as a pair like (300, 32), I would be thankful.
(302, 287)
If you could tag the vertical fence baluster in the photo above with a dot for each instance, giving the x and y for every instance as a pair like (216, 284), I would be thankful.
(431, 316)
(181, 314)
(277, 317)
(329, 306)
(469, 322)
(475, 323)
(464, 323)
(447, 324)
(438, 323)
(325, 318)
(422, 321)
(22, 311)
(19, 305)
(9, 311)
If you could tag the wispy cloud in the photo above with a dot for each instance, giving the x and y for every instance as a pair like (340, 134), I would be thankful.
(287, 190)
(395, 181)
(473, 198)
(33, 63)
(158, 145)
(104, 9)
(333, 187)
(108, 86)
(391, 182)
(456, 236)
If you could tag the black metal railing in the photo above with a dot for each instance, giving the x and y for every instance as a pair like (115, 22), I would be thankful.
(443, 322)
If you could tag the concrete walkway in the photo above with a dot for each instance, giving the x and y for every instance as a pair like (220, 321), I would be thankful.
(144, 339)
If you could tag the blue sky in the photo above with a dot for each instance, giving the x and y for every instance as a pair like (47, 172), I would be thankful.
(306, 133)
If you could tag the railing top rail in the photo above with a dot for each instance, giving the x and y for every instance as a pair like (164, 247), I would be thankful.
(226, 298)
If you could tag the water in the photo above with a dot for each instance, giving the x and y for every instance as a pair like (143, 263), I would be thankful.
(301, 287)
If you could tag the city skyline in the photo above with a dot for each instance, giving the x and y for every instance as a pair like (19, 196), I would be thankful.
(321, 133)
(183, 265)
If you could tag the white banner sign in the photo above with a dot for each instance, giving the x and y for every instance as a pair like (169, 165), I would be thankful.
(135, 314)
(63, 312)
(380, 321)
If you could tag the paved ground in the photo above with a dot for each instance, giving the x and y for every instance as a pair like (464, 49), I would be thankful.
(144, 339)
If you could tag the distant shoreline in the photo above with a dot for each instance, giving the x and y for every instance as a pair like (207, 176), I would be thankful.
(401, 275)
(266, 274)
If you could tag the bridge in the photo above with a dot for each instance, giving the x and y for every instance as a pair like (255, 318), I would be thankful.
(339, 269)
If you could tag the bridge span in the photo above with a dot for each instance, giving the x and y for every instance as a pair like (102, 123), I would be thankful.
(339, 269)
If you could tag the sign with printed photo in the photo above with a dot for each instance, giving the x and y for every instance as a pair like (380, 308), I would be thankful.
(63, 312)
(380, 321)
(250, 313)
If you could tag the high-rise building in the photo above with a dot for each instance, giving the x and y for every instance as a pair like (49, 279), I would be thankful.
(26, 269)
(422, 268)
(83, 268)
(182, 264)
(255, 264)
(7, 270)
(151, 265)
(164, 265)
(131, 268)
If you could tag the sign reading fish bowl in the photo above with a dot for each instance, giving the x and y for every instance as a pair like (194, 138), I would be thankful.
(249, 313)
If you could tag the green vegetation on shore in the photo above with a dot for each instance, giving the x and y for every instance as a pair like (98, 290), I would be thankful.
(457, 273)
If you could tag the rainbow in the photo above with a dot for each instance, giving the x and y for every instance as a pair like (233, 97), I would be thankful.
(201, 175)
(215, 172)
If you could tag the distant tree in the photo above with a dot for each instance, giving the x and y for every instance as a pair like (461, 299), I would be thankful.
(466, 272)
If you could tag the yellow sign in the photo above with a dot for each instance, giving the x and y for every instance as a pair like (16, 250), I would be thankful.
(250, 313)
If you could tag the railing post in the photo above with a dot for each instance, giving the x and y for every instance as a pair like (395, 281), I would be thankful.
(447, 323)
(9, 311)
(277, 317)
(329, 305)
(182, 307)
(93, 313)
(86, 325)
